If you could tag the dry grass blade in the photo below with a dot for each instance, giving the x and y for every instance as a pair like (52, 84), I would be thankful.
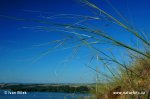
(117, 21)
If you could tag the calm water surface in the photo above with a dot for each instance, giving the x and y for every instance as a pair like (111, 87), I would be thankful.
(44, 95)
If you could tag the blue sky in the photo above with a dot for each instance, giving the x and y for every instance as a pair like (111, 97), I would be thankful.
(18, 44)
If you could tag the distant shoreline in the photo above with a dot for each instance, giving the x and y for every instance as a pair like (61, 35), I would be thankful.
(71, 88)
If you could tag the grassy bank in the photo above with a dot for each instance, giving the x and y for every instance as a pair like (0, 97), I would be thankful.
(128, 85)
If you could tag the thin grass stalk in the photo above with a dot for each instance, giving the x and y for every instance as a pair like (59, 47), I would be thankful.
(117, 21)
(83, 29)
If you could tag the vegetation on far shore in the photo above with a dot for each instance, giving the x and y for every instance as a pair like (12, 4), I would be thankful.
(47, 88)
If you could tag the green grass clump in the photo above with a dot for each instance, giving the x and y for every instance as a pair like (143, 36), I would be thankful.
(128, 82)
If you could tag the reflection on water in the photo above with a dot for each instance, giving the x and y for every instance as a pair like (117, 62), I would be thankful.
(44, 95)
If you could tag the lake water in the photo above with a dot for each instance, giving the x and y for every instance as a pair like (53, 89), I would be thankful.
(44, 95)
